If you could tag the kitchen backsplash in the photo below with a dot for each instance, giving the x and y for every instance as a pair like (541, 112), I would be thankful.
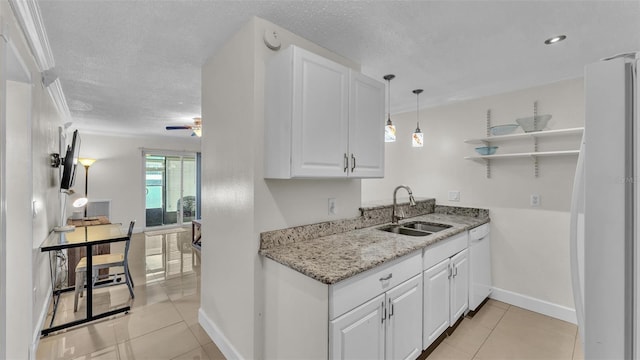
(369, 216)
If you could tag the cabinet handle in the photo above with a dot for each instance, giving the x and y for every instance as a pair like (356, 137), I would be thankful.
(346, 162)
(386, 277)
(390, 309)
(455, 271)
(353, 162)
(384, 311)
(449, 271)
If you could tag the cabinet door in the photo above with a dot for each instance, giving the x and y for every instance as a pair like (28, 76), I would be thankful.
(319, 127)
(404, 325)
(459, 285)
(436, 302)
(359, 333)
(366, 127)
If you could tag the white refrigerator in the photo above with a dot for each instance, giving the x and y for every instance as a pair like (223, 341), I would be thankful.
(605, 212)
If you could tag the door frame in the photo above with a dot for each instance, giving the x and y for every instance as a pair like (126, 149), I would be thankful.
(161, 152)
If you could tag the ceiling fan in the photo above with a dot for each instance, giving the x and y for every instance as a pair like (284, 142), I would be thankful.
(196, 127)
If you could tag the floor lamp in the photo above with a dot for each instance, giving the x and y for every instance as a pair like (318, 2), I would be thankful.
(86, 162)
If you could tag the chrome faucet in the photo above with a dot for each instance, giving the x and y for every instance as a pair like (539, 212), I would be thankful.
(412, 202)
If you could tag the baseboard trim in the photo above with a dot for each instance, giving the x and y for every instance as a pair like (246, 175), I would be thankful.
(530, 303)
(41, 319)
(218, 337)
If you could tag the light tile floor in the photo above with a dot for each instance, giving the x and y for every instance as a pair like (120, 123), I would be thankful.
(163, 321)
(501, 331)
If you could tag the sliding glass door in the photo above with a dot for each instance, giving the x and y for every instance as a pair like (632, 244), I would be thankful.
(172, 196)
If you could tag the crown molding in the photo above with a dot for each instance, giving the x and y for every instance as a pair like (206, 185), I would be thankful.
(27, 12)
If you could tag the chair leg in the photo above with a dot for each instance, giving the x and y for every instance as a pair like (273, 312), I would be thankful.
(130, 278)
(127, 276)
(78, 291)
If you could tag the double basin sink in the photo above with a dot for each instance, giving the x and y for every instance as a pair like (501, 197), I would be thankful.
(415, 228)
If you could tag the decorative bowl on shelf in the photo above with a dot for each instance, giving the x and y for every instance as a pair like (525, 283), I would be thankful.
(486, 150)
(503, 129)
(529, 124)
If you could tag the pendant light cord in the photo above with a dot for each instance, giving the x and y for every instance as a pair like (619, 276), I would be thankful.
(389, 78)
(417, 92)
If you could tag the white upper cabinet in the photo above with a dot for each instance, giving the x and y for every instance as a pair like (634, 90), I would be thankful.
(366, 134)
(322, 120)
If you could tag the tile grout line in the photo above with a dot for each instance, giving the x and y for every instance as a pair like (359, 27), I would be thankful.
(491, 332)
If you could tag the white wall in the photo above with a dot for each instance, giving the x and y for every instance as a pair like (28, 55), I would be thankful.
(31, 134)
(18, 218)
(118, 173)
(238, 203)
(529, 245)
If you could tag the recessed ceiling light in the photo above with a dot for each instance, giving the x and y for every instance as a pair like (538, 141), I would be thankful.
(555, 39)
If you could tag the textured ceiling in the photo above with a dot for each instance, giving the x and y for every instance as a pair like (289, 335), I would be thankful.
(134, 66)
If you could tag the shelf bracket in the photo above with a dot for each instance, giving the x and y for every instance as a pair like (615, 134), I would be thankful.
(487, 162)
(535, 165)
(535, 138)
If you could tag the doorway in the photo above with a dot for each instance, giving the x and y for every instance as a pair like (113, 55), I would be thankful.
(171, 188)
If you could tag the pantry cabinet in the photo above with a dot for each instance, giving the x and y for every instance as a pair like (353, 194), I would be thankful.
(322, 119)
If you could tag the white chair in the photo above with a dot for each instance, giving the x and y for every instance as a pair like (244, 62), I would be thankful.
(104, 262)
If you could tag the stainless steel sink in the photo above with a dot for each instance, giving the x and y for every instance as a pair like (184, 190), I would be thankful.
(426, 226)
(416, 228)
(397, 229)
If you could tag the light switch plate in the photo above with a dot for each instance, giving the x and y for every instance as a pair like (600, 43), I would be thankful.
(454, 195)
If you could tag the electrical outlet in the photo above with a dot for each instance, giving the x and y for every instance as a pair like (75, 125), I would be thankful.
(535, 200)
(454, 195)
(332, 206)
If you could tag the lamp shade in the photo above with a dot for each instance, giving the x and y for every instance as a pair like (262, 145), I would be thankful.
(80, 202)
(86, 161)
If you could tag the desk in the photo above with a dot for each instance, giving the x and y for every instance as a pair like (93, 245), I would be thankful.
(96, 220)
(74, 255)
(82, 237)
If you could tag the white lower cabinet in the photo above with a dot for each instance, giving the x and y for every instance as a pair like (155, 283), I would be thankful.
(446, 287)
(387, 327)
(459, 286)
(388, 324)
(436, 302)
(393, 311)
(359, 334)
(403, 323)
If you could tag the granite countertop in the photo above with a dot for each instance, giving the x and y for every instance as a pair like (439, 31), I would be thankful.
(330, 259)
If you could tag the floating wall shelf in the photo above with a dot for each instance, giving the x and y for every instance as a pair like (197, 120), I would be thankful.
(521, 155)
(534, 136)
(529, 135)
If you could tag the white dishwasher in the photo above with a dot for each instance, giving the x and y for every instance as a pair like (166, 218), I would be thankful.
(480, 265)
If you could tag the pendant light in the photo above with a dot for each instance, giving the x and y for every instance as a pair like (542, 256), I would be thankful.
(417, 138)
(389, 129)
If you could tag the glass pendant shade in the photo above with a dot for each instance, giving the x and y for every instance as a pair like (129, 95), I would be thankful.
(417, 138)
(389, 128)
(389, 132)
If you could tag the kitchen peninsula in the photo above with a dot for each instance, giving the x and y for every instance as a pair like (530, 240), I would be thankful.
(346, 272)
